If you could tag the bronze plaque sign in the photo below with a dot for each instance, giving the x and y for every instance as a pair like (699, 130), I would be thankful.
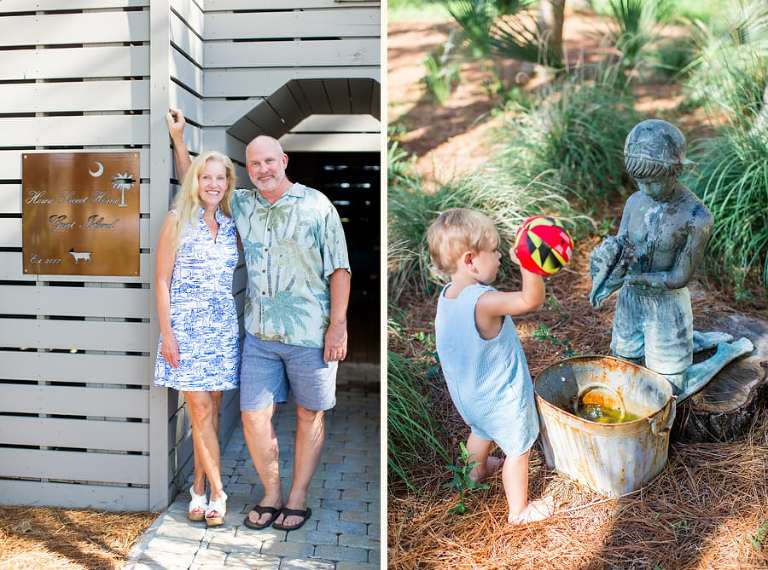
(80, 213)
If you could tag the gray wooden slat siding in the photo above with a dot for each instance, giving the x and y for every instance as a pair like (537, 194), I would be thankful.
(186, 39)
(8, 6)
(110, 95)
(186, 72)
(357, 22)
(190, 12)
(75, 301)
(86, 62)
(75, 401)
(73, 496)
(214, 5)
(304, 53)
(85, 28)
(86, 434)
(10, 196)
(74, 465)
(55, 367)
(188, 102)
(263, 82)
(80, 335)
(75, 131)
(225, 112)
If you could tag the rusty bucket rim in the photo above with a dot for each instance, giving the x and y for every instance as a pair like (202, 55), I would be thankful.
(586, 357)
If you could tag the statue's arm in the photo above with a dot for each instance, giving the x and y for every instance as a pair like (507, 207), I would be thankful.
(693, 252)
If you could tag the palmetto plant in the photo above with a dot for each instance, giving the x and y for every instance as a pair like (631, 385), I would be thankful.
(635, 26)
(501, 28)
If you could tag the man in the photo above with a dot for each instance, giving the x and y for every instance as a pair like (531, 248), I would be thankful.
(295, 318)
(662, 238)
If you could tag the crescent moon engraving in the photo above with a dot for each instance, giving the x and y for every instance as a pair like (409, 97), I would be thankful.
(99, 170)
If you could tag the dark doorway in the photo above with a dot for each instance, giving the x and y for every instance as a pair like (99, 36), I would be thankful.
(351, 180)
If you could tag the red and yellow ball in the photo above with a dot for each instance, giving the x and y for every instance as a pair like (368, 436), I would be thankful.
(542, 245)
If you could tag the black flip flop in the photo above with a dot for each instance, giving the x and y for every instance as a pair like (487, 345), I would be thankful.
(305, 514)
(274, 512)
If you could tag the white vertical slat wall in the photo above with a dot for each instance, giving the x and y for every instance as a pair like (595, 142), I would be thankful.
(80, 423)
(75, 351)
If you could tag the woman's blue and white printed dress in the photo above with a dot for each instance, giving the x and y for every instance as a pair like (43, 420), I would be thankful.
(203, 314)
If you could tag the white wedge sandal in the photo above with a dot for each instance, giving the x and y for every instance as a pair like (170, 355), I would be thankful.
(216, 511)
(198, 506)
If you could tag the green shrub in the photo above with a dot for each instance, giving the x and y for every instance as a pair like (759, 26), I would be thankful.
(411, 427)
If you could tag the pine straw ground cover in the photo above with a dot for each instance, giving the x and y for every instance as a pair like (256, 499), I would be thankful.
(705, 510)
(35, 538)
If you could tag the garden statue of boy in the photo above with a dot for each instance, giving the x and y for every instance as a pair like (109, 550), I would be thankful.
(662, 237)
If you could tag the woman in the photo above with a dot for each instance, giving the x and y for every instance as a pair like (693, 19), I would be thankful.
(199, 348)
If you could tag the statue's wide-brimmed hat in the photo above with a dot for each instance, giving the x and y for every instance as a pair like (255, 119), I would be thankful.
(655, 147)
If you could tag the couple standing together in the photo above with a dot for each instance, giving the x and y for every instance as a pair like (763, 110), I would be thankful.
(295, 317)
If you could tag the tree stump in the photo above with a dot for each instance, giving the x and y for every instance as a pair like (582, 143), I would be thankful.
(724, 409)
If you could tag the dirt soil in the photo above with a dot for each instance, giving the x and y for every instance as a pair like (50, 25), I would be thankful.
(37, 538)
(451, 140)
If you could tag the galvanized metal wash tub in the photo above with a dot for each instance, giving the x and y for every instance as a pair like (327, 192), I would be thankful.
(611, 458)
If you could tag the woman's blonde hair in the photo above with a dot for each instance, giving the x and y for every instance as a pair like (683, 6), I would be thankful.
(187, 202)
(456, 231)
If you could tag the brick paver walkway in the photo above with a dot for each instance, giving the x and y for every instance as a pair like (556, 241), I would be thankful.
(343, 533)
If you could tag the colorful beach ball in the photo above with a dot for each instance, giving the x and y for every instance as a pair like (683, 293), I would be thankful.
(542, 245)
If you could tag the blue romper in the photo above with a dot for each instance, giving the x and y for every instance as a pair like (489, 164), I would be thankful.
(203, 313)
(488, 380)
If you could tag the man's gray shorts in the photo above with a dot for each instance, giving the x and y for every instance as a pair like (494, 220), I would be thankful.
(270, 368)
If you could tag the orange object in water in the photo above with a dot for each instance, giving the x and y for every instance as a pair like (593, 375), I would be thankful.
(611, 457)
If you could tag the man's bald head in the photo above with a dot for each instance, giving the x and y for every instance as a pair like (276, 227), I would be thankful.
(266, 163)
(265, 142)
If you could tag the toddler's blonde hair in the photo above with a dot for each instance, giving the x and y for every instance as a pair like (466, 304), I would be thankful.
(458, 230)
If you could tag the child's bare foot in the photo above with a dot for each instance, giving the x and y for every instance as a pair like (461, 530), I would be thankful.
(481, 472)
(537, 510)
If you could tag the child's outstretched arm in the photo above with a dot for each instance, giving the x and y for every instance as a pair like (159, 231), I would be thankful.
(498, 304)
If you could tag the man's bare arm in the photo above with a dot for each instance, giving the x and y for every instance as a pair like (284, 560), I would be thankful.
(176, 123)
(336, 336)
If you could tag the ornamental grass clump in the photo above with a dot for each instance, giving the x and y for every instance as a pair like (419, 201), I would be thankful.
(411, 427)
(574, 140)
(732, 180)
